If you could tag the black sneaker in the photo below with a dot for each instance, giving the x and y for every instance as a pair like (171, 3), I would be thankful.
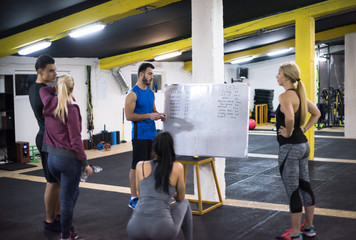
(55, 226)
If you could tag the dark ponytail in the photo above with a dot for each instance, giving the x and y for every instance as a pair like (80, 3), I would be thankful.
(163, 150)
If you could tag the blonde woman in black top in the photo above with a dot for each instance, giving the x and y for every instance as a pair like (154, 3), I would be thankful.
(292, 122)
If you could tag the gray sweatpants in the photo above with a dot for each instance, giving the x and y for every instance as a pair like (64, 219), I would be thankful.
(143, 226)
(293, 167)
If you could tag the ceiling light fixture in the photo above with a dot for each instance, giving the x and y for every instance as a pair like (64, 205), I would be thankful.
(322, 59)
(242, 60)
(86, 30)
(279, 52)
(168, 55)
(34, 47)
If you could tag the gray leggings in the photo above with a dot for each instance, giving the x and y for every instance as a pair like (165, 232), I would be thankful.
(293, 167)
(152, 227)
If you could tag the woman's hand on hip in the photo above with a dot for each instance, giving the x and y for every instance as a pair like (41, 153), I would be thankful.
(283, 132)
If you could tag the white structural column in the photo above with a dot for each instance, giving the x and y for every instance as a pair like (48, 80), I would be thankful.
(208, 67)
(350, 85)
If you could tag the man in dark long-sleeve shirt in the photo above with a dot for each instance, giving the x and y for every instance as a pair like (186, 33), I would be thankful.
(46, 73)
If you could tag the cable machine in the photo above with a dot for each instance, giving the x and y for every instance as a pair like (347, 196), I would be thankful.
(330, 92)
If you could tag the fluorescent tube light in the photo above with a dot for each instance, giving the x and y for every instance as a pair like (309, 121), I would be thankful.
(168, 55)
(322, 59)
(34, 47)
(241, 60)
(86, 30)
(279, 52)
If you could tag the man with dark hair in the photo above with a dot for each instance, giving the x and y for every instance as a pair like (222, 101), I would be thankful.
(141, 110)
(46, 73)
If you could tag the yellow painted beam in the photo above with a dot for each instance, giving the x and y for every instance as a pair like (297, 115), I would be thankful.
(282, 19)
(145, 54)
(335, 32)
(106, 12)
(320, 36)
(188, 65)
(304, 57)
(316, 10)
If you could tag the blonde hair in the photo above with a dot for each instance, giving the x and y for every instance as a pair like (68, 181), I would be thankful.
(65, 86)
(292, 72)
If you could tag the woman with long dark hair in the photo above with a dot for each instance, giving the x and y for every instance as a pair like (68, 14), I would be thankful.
(292, 123)
(158, 181)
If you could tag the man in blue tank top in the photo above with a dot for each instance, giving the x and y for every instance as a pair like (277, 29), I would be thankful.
(141, 110)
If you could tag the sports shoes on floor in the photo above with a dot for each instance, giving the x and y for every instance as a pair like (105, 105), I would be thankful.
(132, 203)
(73, 235)
(309, 232)
(70, 238)
(288, 236)
(55, 226)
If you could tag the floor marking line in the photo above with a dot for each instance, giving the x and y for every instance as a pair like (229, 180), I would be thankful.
(28, 178)
(285, 208)
(328, 136)
(228, 202)
(317, 159)
(260, 155)
(93, 186)
(105, 187)
(315, 136)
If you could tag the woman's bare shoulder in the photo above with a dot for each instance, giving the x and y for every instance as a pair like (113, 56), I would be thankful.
(177, 166)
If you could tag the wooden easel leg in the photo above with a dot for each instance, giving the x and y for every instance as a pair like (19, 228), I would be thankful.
(185, 173)
(200, 202)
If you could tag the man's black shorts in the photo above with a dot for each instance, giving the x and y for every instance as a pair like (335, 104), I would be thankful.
(141, 151)
(44, 160)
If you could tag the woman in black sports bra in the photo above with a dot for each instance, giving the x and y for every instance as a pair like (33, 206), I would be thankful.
(292, 122)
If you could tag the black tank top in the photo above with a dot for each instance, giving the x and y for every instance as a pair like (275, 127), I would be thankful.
(297, 135)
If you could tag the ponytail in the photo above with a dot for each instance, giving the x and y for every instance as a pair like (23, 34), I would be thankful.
(165, 156)
(303, 103)
(292, 72)
(65, 86)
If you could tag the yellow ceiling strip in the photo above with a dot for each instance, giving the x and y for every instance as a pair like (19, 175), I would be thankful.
(315, 10)
(335, 33)
(320, 36)
(145, 54)
(106, 12)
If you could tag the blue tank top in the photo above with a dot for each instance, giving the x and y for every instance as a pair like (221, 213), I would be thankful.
(145, 129)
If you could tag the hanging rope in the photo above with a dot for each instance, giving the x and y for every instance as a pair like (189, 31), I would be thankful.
(90, 120)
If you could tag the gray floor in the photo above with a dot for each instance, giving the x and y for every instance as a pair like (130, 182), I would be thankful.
(104, 214)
